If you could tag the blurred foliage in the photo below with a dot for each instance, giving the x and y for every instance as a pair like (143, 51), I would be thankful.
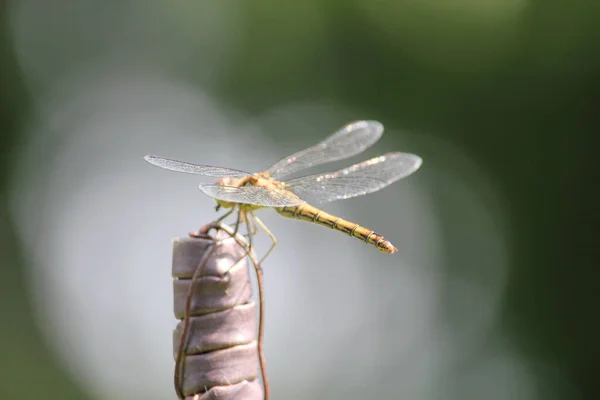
(515, 84)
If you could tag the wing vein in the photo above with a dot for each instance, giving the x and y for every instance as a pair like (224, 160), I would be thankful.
(254, 195)
(348, 141)
(189, 168)
(357, 180)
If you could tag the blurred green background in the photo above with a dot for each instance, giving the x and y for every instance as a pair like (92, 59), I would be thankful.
(513, 84)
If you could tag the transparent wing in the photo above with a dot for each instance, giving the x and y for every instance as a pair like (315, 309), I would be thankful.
(362, 178)
(251, 195)
(352, 139)
(189, 168)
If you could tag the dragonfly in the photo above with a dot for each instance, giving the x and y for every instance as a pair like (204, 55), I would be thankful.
(246, 192)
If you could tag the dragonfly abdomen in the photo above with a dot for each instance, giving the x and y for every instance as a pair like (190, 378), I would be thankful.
(306, 212)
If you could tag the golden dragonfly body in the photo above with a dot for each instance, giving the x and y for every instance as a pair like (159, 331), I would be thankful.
(304, 211)
(246, 192)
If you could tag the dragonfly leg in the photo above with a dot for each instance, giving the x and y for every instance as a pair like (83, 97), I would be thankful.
(237, 222)
(234, 232)
(222, 217)
(249, 227)
(253, 225)
(268, 232)
(215, 224)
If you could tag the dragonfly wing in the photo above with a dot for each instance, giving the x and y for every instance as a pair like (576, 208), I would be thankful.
(350, 140)
(255, 195)
(189, 168)
(362, 178)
